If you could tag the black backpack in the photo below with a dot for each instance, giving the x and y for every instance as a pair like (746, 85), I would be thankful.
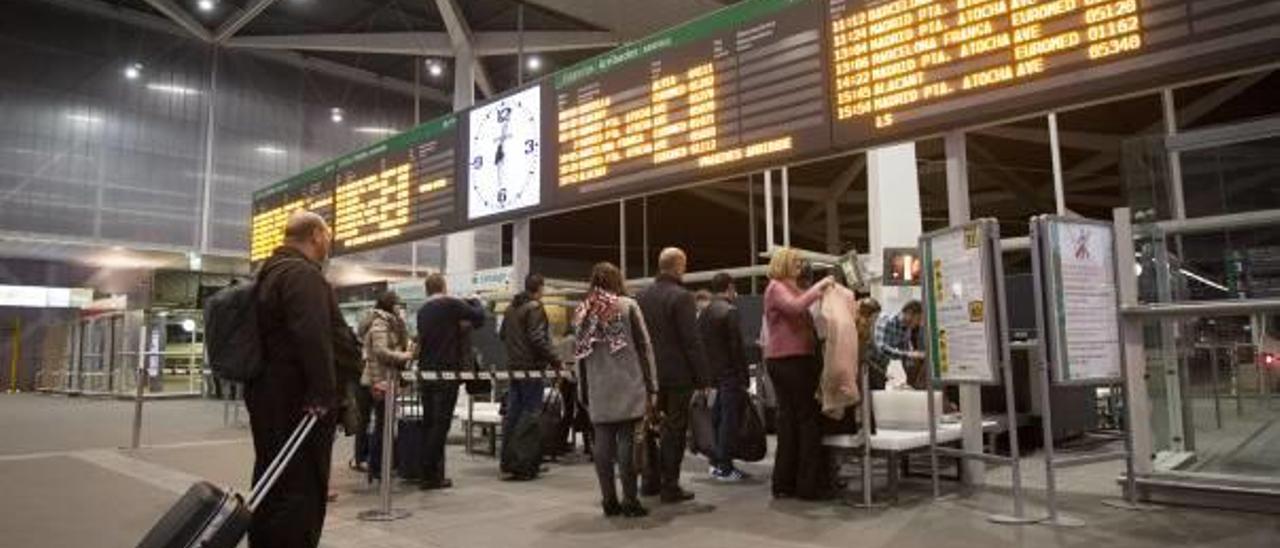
(232, 342)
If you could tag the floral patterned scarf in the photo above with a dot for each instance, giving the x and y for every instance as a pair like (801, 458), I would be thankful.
(598, 318)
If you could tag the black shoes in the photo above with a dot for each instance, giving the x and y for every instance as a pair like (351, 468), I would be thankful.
(445, 483)
(628, 509)
(676, 495)
(633, 509)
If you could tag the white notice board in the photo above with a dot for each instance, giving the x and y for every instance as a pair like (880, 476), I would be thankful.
(1079, 291)
(961, 323)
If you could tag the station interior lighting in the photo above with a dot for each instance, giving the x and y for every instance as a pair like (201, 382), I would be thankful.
(534, 62)
(337, 115)
(133, 71)
(206, 5)
(434, 67)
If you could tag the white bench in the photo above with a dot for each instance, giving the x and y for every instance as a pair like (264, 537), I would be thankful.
(485, 415)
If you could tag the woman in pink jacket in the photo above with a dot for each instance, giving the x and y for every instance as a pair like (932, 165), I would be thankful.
(799, 468)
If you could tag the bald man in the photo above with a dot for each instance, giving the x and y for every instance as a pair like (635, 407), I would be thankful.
(296, 308)
(671, 317)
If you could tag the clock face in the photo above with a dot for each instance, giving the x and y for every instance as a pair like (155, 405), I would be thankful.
(504, 157)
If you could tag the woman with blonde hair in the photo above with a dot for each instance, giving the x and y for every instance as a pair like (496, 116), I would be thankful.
(794, 367)
(617, 380)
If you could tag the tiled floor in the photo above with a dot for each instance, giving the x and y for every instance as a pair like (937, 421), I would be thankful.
(64, 484)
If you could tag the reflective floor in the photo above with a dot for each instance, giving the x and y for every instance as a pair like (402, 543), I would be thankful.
(65, 484)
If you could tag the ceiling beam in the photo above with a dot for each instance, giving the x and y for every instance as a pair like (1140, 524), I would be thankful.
(461, 39)
(508, 43)
(838, 188)
(1191, 113)
(731, 203)
(181, 17)
(1084, 140)
(357, 75)
(429, 44)
(1018, 188)
(426, 44)
(231, 27)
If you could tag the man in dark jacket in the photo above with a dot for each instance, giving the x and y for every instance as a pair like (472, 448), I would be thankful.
(719, 325)
(441, 347)
(526, 333)
(670, 315)
(295, 307)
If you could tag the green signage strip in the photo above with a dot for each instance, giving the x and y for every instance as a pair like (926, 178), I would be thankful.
(717, 21)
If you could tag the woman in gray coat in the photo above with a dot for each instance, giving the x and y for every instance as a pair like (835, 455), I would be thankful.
(617, 381)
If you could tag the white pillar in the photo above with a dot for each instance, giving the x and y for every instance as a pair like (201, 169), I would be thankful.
(460, 247)
(958, 212)
(893, 202)
(520, 256)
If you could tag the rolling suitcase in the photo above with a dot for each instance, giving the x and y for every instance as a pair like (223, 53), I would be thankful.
(210, 517)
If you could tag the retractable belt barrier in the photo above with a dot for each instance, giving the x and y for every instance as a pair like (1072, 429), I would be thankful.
(422, 375)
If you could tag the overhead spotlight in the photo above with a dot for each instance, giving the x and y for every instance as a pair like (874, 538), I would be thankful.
(133, 71)
(337, 115)
(271, 150)
(205, 5)
(534, 62)
(434, 67)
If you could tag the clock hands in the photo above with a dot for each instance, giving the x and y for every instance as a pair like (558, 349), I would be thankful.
(497, 158)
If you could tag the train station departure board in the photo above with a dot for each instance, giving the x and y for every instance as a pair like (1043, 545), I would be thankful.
(398, 190)
(741, 87)
(907, 67)
(761, 83)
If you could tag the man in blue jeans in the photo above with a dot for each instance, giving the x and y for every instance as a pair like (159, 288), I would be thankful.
(442, 346)
(720, 328)
(527, 336)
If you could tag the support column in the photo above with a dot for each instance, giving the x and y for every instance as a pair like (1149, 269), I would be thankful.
(460, 247)
(833, 227)
(958, 212)
(521, 258)
(893, 202)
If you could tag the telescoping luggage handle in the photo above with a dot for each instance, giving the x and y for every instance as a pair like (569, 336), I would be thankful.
(276, 468)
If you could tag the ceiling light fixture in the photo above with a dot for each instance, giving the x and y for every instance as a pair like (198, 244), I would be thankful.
(133, 71)
(435, 67)
(271, 150)
(337, 115)
(176, 90)
(534, 62)
(205, 5)
(84, 118)
(376, 130)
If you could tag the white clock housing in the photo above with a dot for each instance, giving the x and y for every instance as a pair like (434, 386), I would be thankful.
(504, 155)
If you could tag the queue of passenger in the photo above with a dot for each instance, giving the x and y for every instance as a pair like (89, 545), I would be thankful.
(638, 362)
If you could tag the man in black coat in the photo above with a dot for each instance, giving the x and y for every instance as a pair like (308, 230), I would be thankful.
(526, 334)
(442, 346)
(720, 326)
(670, 315)
(295, 307)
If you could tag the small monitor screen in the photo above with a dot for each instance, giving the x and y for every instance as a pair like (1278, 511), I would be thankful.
(901, 266)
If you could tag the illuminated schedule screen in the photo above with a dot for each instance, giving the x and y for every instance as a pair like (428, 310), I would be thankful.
(757, 84)
(740, 87)
(398, 190)
(903, 67)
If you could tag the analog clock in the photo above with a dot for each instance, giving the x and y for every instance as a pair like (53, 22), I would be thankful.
(504, 155)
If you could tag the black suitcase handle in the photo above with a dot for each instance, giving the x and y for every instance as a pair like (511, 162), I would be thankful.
(276, 468)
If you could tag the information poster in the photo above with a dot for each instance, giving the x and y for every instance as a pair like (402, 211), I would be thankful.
(959, 304)
(1080, 284)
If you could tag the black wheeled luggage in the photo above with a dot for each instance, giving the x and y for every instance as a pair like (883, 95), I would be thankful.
(210, 517)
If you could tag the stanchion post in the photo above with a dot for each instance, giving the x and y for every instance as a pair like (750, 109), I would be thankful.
(136, 441)
(385, 512)
(1010, 400)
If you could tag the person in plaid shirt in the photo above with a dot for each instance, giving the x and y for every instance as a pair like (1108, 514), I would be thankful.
(897, 337)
